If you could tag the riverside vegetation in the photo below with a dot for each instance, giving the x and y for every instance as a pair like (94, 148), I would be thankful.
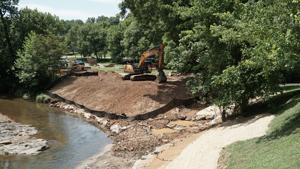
(236, 50)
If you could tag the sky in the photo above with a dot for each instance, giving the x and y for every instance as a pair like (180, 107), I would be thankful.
(74, 9)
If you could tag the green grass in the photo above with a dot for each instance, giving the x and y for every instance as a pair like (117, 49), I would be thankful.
(279, 149)
(119, 68)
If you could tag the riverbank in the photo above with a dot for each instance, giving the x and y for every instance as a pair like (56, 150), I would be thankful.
(18, 139)
(133, 140)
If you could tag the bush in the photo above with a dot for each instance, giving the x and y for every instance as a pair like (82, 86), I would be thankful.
(43, 98)
(38, 61)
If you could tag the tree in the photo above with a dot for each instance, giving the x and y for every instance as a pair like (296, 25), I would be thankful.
(92, 39)
(8, 12)
(41, 23)
(73, 39)
(135, 41)
(38, 61)
(162, 17)
(236, 50)
(114, 42)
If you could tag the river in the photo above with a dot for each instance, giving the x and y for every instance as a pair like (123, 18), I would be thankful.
(71, 139)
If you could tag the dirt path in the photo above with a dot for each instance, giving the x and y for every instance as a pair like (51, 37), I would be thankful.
(204, 151)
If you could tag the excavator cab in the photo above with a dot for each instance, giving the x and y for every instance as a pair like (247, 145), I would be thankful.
(149, 59)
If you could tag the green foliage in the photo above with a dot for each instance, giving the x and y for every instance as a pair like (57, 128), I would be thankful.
(239, 83)
(42, 98)
(72, 39)
(114, 43)
(268, 40)
(8, 12)
(34, 21)
(38, 61)
(92, 38)
(236, 50)
(134, 41)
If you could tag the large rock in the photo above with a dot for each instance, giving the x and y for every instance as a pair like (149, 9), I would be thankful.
(16, 139)
(26, 147)
(208, 113)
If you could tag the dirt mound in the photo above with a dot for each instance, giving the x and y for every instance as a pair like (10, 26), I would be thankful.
(109, 93)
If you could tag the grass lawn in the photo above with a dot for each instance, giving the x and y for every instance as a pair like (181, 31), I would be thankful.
(279, 149)
(119, 68)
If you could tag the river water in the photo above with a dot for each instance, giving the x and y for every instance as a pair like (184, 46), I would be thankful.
(72, 140)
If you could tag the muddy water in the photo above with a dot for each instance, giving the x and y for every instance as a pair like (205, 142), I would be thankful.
(71, 139)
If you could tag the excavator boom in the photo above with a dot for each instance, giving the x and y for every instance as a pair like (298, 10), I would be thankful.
(138, 74)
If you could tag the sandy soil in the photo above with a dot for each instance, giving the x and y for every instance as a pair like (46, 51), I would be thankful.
(168, 154)
(204, 152)
(109, 93)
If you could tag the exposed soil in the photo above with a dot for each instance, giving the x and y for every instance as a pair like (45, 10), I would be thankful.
(107, 92)
(134, 139)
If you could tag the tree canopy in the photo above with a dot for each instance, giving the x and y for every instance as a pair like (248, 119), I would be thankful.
(235, 49)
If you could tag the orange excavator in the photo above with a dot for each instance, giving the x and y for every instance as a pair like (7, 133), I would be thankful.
(151, 58)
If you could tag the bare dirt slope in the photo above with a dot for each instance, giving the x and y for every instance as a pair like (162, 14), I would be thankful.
(204, 152)
(109, 93)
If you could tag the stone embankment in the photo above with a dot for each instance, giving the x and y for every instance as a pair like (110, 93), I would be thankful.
(135, 139)
(17, 139)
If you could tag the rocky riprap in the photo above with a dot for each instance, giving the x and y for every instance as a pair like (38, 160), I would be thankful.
(17, 139)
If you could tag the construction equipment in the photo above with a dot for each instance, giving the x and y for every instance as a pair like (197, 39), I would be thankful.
(151, 58)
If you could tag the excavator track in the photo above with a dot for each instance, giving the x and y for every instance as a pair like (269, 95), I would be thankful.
(143, 77)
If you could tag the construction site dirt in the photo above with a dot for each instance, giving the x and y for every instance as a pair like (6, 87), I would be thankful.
(107, 92)
(132, 138)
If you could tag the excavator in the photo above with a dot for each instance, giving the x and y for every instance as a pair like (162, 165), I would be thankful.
(151, 58)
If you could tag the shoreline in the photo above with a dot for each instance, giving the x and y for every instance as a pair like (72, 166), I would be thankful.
(134, 141)
(92, 160)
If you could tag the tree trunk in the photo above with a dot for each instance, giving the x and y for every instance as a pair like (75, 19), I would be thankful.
(243, 105)
(223, 114)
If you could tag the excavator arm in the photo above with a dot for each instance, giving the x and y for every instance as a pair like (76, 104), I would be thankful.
(158, 52)
(142, 68)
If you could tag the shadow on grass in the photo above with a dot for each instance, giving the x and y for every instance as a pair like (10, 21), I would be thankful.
(272, 105)
(288, 123)
(283, 105)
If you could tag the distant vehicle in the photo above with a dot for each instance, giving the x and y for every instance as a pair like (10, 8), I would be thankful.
(63, 63)
(79, 62)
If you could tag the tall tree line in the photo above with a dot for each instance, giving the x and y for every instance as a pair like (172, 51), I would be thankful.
(235, 49)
